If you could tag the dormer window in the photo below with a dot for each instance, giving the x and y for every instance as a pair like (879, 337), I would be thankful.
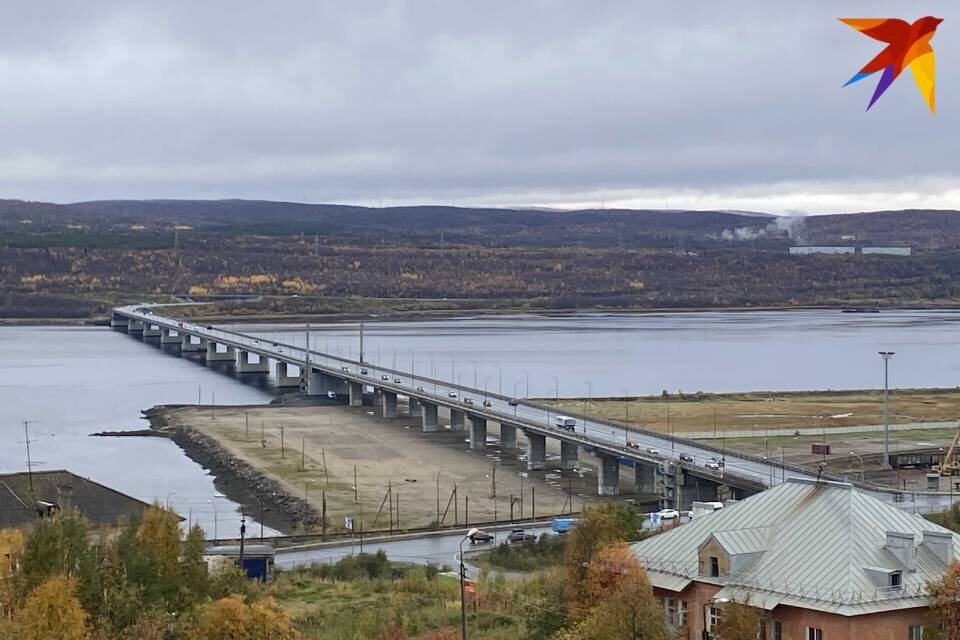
(896, 580)
(714, 567)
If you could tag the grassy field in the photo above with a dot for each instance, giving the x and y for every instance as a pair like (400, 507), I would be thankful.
(770, 410)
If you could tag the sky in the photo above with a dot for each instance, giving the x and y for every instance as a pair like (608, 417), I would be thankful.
(620, 103)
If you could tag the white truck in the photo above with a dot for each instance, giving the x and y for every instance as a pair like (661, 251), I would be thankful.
(565, 422)
(703, 508)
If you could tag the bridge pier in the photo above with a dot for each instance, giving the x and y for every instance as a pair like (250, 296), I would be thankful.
(429, 414)
(151, 330)
(244, 364)
(284, 377)
(220, 356)
(187, 344)
(458, 420)
(536, 451)
(169, 336)
(117, 320)
(608, 480)
(508, 436)
(646, 478)
(388, 404)
(134, 326)
(413, 407)
(478, 433)
(356, 394)
(568, 456)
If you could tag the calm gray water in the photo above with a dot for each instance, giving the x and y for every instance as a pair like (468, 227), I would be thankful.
(647, 353)
(73, 381)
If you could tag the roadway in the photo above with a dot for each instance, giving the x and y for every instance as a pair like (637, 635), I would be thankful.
(648, 447)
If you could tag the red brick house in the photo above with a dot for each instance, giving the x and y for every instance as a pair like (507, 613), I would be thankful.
(821, 560)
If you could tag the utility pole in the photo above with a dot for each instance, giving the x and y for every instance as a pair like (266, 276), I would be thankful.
(243, 533)
(306, 359)
(361, 342)
(886, 355)
(303, 454)
(282, 452)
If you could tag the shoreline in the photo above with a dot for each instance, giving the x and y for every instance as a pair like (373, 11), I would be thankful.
(236, 479)
(344, 317)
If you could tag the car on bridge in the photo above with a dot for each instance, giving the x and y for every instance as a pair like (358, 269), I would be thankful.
(653, 451)
(686, 457)
(487, 403)
(513, 402)
(467, 401)
(452, 394)
(384, 377)
(345, 369)
(397, 381)
(713, 464)
(364, 372)
(420, 389)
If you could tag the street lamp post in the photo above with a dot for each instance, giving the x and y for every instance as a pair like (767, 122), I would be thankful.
(463, 589)
(213, 504)
(526, 393)
(862, 476)
(886, 355)
(586, 413)
(626, 416)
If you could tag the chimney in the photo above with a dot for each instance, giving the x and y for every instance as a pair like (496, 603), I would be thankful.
(940, 544)
(901, 546)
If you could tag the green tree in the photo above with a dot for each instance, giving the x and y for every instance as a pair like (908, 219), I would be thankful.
(160, 534)
(739, 621)
(542, 605)
(52, 610)
(194, 581)
(61, 546)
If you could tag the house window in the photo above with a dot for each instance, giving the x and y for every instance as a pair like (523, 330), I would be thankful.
(916, 632)
(713, 618)
(671, 609)
(682, 613)
(777, 631)
(814, 634)
(714, 566)
(896, 580)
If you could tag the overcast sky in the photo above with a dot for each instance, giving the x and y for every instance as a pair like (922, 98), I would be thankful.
(734, 105)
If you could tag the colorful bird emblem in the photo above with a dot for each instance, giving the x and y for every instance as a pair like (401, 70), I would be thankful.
(907, 45)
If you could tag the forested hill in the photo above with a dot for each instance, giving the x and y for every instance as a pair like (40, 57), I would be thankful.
(921, 229)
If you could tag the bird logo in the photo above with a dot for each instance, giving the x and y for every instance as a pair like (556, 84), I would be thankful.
(907, 45)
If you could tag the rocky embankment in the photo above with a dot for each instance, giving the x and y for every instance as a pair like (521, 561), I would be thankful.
(237, 480)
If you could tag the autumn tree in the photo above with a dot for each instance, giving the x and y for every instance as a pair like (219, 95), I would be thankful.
(739, 621)
(945, 609)
(193, 580)
(232, 618)
(160, 533)
(11, 549)
(52, 610)
(598, 527)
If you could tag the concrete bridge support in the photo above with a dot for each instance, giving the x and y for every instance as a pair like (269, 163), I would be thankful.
(151, 330)
(356, 394)
(413, 407)
(458, 420)
(116, 320)
(478, 433)
(134, 326)
(429, 414)
(245, 363)
(287, 375)
(508, 436)
(646, 478)
(609, 475)
(568, 456)
(187, 344)
(220, 356)
(388, 404)
(170, 336)
(536, 451)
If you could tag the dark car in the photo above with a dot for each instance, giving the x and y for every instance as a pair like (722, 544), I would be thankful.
(480, 537)
(420, 389)
(364, 372)
(384, 377)
(513, 402)
(519, 536)
(487, 403)
(686, 457)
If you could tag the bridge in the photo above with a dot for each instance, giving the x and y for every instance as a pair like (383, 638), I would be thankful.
(674, 469)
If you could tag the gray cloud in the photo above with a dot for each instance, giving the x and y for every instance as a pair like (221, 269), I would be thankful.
(732, 105)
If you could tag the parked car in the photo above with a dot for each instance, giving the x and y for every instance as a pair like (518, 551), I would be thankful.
(686, 457)
(513, 402)
(452, 394)
(519, 536)
(384, 377)
(480, 537)
(467, 401)
(668, 514)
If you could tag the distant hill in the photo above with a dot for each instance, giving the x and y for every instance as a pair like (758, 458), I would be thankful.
(920, 229)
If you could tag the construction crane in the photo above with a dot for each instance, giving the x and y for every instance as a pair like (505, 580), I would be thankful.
(950, 465)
